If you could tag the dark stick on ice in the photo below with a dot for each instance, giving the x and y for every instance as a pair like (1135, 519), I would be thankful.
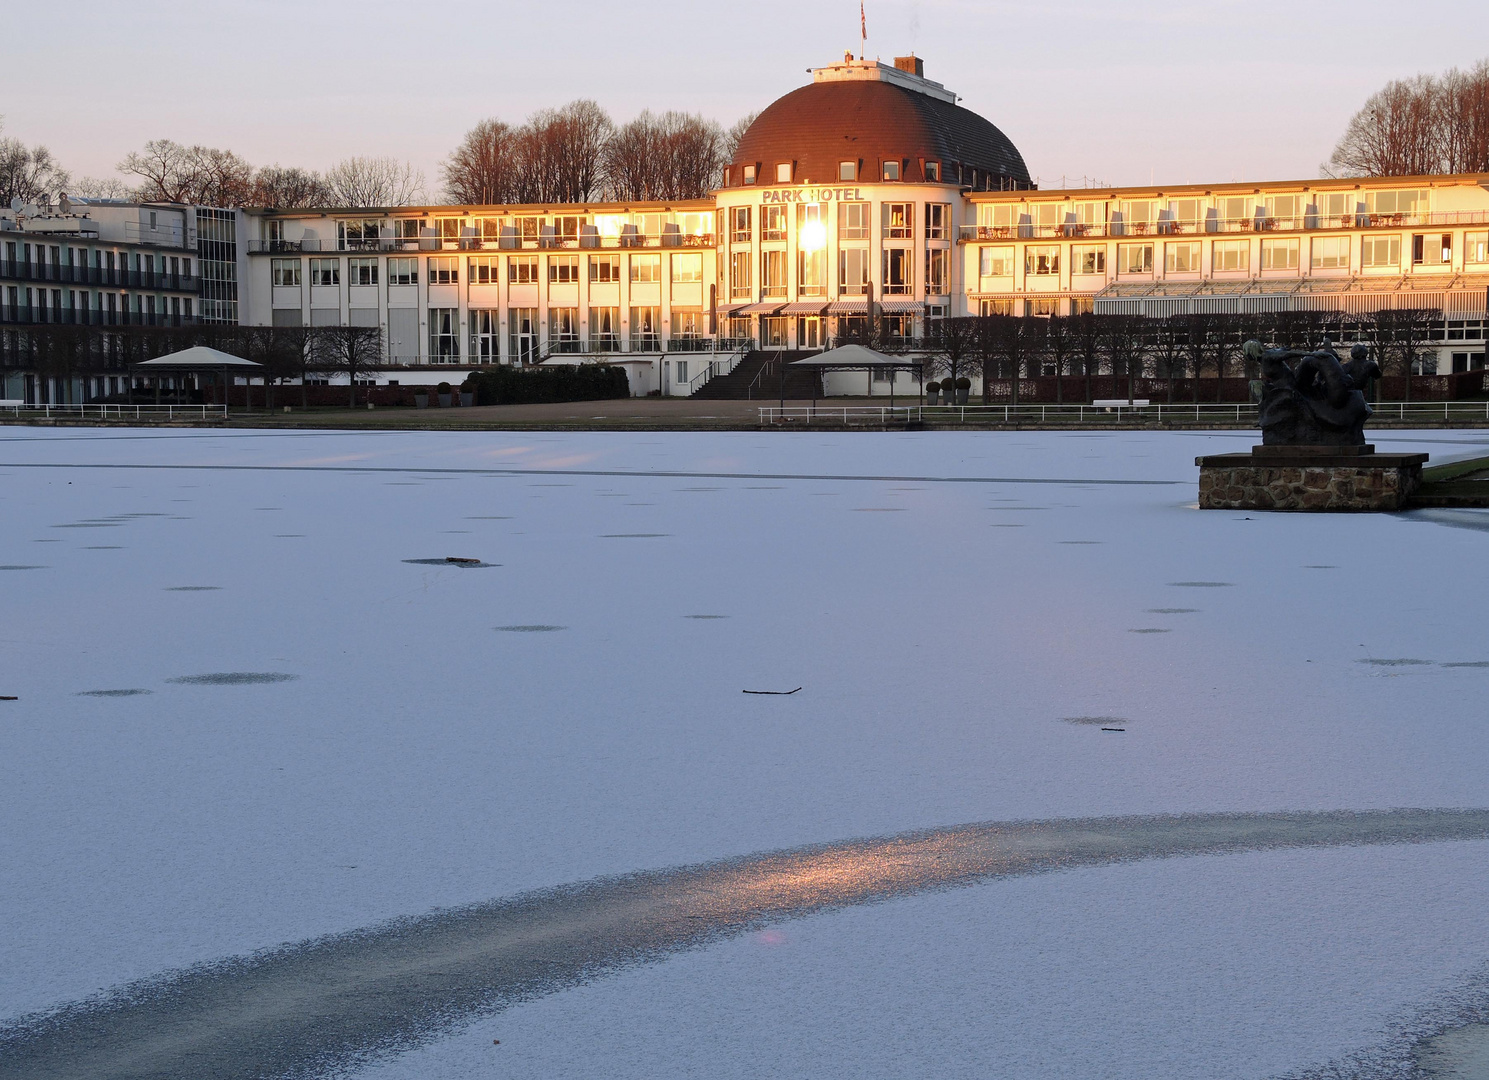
(782, 693)
(460, 559)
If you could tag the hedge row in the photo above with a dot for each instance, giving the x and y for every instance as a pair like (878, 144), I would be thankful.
(548, 382)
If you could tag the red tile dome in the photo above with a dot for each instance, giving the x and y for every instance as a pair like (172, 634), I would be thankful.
(869, 121)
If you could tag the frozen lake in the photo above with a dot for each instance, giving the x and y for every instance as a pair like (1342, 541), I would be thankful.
(251, 713)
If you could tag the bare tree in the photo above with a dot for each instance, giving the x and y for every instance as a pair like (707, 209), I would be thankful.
(1087, 331)
(374, 181)
(1123, 346)
(1463, 119)
(673, 156)
(1400, 335)
(1419, 126)
(282, 188)
(353, 351)
(170, 172)
(92, 187)
(487, 166)
(953, 344)
(735, 133)
(1170, 341)
(30, 174)
(1060, 346)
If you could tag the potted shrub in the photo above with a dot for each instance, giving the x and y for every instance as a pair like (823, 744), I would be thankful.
(932, 391)
(444, 395)
(467, 397)
(963, 388)
(421, 399)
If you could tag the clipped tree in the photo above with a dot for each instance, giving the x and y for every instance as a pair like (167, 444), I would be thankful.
(354, 351)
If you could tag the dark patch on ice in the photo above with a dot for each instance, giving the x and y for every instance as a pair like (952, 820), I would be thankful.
(491, 517)
(112, 693)
(234, 678)
(104, 547)
(779, 487)
(50, 541)
(878, 509)
(447, 562)
(1172, 610)
(289, 536)
(403, 483)
(1202, 584)
(1080, 541)
(1467, 663)
(268, 508)
(529, 485)
(1398, 662)
(529, 628)
(699, 489)
(718, 617)
(22, 568)
(89, 525)
(1006, 525)
(1320, 566)
(457, 532)
(631, 536)
(1094, 720)
(193, 588)
(1148, 630)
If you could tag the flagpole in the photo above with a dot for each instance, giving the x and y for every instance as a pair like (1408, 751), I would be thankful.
(863, 31)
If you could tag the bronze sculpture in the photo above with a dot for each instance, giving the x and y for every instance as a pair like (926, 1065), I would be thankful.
(1316, 401)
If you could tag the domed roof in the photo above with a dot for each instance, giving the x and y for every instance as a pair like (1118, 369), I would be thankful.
(871, 119)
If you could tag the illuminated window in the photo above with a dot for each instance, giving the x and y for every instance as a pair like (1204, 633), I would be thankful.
(604, 269)
(562, 270)
(996, 262)
(853, 221)
(853, 271)
(772, 223)
(783, 173)
(1395, 202)
(937, 221)
(1381, 251)
(1134, 258)
(739, 224)
(1181, 258)
(522, 270)
(811, 272)
(687, 268)
(444, 270)
(1088, 259)
(646, 269)
(403, 271)
(937, 271)
(1336, 208)
(1331, 253)
(773, 280)
(1042, 260)
(899, 221)
(1230, 255)
(741, 275)
(1476, 247)
(1279, 254)
(749, 174)
(1432, 249)
(485, 271)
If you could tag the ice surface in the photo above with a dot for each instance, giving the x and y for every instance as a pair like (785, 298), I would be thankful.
(423, 757)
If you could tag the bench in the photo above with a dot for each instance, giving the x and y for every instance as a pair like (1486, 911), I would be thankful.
(1115, 403)
(12, 403)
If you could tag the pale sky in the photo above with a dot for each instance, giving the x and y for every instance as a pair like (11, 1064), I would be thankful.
(1204, 91)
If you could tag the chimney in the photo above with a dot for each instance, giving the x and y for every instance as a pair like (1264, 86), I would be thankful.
(912, 64)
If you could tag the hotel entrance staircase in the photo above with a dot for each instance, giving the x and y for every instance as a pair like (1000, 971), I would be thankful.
(758, 377)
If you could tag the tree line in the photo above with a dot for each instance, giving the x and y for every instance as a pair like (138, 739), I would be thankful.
(576, 153)
(1423, 126)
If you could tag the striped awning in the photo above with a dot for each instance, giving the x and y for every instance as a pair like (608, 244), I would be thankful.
(805, 307)
(848, 307)
(730, 309)
(898, 304)
(769, 308)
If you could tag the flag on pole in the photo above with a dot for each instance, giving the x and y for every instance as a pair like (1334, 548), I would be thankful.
(863, 29)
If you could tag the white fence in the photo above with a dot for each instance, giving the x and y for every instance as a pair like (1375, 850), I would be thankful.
(1425, 411)
(117, 412)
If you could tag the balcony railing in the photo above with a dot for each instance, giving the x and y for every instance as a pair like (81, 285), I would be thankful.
(36, 315)
(397, 245)
(64, 274)
(1260, 223)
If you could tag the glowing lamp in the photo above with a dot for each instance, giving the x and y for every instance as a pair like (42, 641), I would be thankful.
(813, 236)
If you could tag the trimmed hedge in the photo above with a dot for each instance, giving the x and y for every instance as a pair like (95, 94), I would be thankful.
(547, 382)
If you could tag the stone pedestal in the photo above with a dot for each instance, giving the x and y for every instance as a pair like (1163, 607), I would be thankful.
(1308, 478)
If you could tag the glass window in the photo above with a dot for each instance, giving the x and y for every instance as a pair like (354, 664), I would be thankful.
(937, 271)
(687, 267)
(563, 329)
(325, 271)
(1432, 249)
(286, 271)
(739, 224)
(522, 270)
(741, 275)
(899, 221)
(444, 269)
(1476, 247)
(1380, 251)
(1134, 258)
(604, 269)
(566, 228)
(811, 272)
(1181, 258)
(361, 271)
(1189, 214)
(1336, 208)
(773, 279)
(773, 222)
(646, 268)
(1230, 255)
(403, 271)
(996, 262)
(1395, 202)
(897, 272)
(484, 271)
(749, 174)
(853, 221)
(1279, 254)
(1331, 253)
(937, 221)
(783, 172)
(847, 170)
(444, 340)
(1139, 215)
(1042, 260)
(646, 326)
(448, 229)
(563, 269)
(933, 172)
(357, 234)
(1088, 259)
(604, 329)
(853, 271)
(891, 170)
(522, 328)
(1284, 211)
(406, 228)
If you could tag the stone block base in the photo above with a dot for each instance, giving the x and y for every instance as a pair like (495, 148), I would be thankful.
(1312, 479)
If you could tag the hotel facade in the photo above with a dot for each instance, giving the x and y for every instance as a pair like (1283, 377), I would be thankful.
(869, 192)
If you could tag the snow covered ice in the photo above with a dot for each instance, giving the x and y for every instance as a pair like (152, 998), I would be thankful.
(257, 706)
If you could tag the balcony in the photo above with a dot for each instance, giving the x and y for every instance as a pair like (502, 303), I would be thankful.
(38, 315)
(513, 242)
(1212, 226)
(63, 274)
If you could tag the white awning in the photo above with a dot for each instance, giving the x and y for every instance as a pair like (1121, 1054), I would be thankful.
(198, 357)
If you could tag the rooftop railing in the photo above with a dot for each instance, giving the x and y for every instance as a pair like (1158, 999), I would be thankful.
(1210, 226)
(38, 315)
(432, 245)
(67, 274)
